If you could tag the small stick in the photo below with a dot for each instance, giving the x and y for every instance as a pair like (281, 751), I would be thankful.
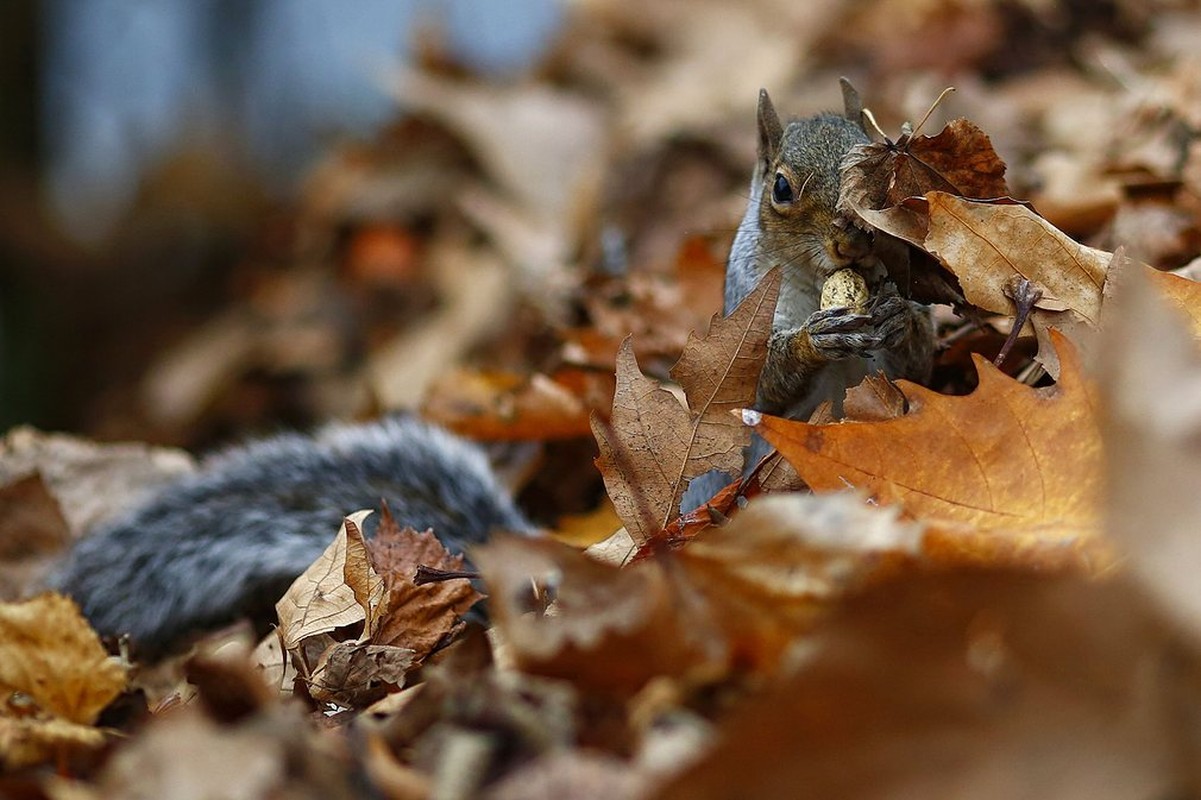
(1024, 295)
(426, 575)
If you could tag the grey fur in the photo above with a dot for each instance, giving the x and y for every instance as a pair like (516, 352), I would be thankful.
(228, 540)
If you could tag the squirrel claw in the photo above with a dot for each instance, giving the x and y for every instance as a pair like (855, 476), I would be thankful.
(836, 320)
(840, 333)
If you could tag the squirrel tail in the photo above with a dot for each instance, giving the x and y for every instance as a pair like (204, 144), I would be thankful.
(227, 541)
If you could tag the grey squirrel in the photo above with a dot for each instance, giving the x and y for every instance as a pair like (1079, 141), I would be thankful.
(792, 222)
(227, 541)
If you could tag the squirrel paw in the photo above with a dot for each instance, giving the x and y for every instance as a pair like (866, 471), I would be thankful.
(890, 316)
(838, 333)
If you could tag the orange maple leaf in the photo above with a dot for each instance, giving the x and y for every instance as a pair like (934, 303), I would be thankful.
(1006, 475)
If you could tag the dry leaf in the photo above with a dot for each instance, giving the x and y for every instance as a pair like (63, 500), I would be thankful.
(783, 562)
(55, 677)
(49, 652)
(974, 685)
(959, 160)
(1007, 474)
(613, 630)
(874, 399)
(616, 551)
(417, 618)
(26, 742)
(1151, 421)
(33, 533)
(357, 674)
(988, 245)
(736, 598)
(370, 583)
(229, 683)
(489, 405)
(1183, 294)
(340, 588)
(188, 757)
(91, 482)
(653, 445)
(878, 178)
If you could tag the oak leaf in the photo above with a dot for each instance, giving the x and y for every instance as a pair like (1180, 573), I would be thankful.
(1006, 474)
(654, 445)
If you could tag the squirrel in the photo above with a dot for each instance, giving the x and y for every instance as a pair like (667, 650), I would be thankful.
(226, 542)
(792, 222)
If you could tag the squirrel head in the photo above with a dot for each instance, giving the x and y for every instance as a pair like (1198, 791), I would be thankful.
(800, 173)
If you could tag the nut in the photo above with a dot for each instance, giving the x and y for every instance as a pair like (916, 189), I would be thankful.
(845, 288)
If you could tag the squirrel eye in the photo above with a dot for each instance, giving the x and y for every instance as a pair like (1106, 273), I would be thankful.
(781, 192)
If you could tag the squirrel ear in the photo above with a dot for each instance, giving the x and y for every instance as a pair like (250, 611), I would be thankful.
(852, 103)
(771, 132)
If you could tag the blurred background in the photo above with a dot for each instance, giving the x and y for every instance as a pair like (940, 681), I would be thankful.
(144, 142)
(224, 216)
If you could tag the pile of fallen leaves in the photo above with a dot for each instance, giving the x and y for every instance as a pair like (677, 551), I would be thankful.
(983, 588)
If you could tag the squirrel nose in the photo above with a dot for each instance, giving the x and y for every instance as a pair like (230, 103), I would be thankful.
(851, 245)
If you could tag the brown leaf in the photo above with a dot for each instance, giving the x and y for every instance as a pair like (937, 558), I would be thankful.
(417, 618)
(229, 683)
(959, 160)
(356, 674)
(340, 588)
(684, 528)
(50, 653)
(1183, 294)
(785, 560)
(1006, 474)
(490, 405)
(654, 446)
(970, 685)
(612, 630)
(28, 741)
(874, 399)
(736, 598)
(55, 677)
(33, 533)
(186, 755)
(878, 178)
(988, 245)
(91, 482)
(1151, 393)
